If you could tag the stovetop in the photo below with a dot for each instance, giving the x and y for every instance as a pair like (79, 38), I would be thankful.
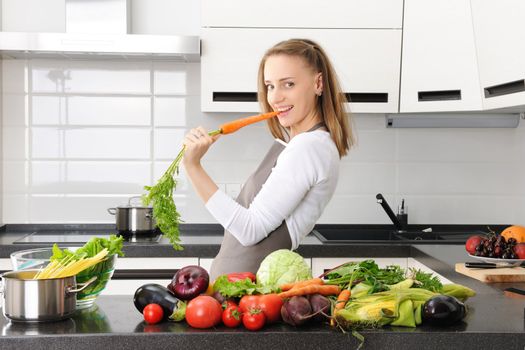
(43, 237)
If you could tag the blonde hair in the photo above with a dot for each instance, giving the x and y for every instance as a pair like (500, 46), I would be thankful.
(330, 105)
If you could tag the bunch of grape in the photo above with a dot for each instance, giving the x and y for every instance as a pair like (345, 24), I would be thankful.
(497, 247)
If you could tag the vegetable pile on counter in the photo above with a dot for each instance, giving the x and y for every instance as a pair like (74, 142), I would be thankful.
(352, 296)
(161, 194)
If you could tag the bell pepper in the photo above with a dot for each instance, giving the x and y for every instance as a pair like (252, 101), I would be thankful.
(240, 276)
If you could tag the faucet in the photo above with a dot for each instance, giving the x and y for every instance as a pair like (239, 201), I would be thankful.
(397, 224)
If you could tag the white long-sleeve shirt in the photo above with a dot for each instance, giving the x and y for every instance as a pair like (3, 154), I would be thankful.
(297, 191)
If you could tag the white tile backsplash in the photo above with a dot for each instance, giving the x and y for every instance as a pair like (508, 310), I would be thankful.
(91, 110)
(81, 136)
(168, 143)
(170, 111)
(95, 143)
(97, 77)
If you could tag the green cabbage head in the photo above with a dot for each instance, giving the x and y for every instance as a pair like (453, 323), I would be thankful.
(282, 266)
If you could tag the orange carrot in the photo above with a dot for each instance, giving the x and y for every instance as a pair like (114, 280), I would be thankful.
(236, 124)
(298, 284)
(311, 289)
(340, 303)
(342, 298)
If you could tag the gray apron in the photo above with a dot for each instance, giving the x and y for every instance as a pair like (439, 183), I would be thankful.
(233, 256)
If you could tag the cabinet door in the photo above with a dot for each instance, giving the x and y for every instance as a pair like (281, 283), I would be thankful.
(206, 263)
(146, 268)
(303, 14)
(439, 69)
(321, 265)
(500, 45)
(367, 63)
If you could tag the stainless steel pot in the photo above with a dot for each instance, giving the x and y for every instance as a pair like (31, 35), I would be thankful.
(134, 218)
(28, 300)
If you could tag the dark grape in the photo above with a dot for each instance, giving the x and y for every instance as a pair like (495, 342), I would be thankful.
(512, 240)
(505, 256)
(479, 247)
(497, 251)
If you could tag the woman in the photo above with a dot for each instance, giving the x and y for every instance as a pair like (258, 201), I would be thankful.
(281, 201)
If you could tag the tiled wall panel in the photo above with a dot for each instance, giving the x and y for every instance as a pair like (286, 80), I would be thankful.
(81, 136)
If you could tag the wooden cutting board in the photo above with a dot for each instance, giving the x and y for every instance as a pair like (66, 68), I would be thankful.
(501, 274)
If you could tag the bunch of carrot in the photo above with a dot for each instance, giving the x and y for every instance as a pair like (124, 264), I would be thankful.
(311, 286)
(161, 195)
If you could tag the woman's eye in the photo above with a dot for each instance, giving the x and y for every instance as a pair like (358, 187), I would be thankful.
(269, 87)
(289, 84)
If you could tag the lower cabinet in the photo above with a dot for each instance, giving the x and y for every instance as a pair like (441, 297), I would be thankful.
(131, 273)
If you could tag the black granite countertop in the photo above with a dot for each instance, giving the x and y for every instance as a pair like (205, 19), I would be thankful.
(494, 320)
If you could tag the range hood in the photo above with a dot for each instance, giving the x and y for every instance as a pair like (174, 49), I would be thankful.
(99, 29)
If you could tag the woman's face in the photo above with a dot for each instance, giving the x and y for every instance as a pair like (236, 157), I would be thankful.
(292, 87)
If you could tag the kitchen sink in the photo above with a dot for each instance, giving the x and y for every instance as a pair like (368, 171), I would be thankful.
(344, 235)
(440, 234)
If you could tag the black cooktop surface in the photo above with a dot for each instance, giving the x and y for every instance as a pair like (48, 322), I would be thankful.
(43, 237)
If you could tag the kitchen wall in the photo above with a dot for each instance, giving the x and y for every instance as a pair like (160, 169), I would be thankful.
(81, 136)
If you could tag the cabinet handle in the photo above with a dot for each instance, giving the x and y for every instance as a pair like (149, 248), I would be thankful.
(366, 97)
(355, 97)
(438, 95)
(153, 274)
(234, 96)
(505, 89)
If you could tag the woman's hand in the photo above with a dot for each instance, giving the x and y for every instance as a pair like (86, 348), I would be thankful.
(197, 143)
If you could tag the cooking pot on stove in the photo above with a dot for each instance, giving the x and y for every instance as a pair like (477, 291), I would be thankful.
(134, 217)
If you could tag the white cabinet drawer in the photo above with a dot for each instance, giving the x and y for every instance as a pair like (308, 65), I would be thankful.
(5, 265)
(500, 44)
(154, 263)
(303, 14)
(367, 63)
(206, 263)
(128, 287)
(439, 71)
(412, 263)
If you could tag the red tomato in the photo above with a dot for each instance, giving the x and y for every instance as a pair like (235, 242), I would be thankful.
(249, 302)
(228, 303)
(240, 276)
(254, 320)
(153, 313)
(203, 312)
(231, 316)
(271, 305)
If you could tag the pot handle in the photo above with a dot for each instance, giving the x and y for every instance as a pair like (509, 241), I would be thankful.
(112, 211)
(84, 285)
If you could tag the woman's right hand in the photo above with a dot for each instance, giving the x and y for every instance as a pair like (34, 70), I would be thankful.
(197, 142)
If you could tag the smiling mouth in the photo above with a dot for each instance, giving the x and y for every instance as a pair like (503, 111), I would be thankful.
(284, 110)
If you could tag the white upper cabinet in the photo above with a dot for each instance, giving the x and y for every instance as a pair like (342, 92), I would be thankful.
(367, 63)
(439, 68)
(302, 14)
(500, 42)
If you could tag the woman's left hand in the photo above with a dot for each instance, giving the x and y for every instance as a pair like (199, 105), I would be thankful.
(197, 143)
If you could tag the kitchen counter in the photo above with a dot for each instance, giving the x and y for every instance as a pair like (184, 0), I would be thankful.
(494, 320)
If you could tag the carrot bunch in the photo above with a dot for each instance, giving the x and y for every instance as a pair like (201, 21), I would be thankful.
(311, 286)
(161, 195)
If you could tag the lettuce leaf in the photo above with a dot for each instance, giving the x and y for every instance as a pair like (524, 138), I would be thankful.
(90, 249)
